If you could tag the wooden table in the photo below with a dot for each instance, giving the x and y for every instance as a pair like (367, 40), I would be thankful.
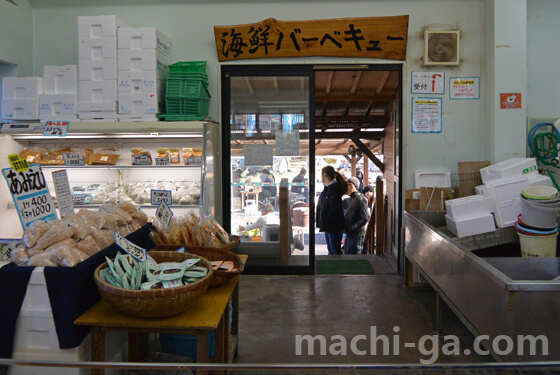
(210, 312)
(246, 195)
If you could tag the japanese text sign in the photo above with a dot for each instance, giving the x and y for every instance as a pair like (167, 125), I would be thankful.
(158, 196)
(464, 88)
(17, 163)
(74, 159)
(63, 193)
(30, 194)
(56, 128)
(510, 100)
(162, 161)
(428, 83)
(373, 37)
(164, 214)
(426, 115)
(133, 249)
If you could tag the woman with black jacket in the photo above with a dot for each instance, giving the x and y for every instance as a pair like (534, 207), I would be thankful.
(330, 216)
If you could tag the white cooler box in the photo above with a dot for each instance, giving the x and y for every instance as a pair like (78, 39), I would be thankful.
(465, 207)
(57, 104)
(60, 79)
(22, 87)
(98, 70)
(144, 81)
(143, 38)
(510, 168)
(142, 60)
(101, 28)
(140, 103)
(20, 109)
(97, 50)
(98, 91)
(471, 226)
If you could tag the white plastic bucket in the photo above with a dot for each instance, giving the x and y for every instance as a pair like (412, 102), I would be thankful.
(539, 215)
(538, 246)
(540, 192)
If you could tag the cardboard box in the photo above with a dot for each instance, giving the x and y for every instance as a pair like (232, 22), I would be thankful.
(102, 28)
(20, 109)
(60, 79)
(98, 91)
(138, 82)
(143, 38)
(98, 70)
(58, 104)
(142, 60)
(22, 87)
(140, 103)
(412, 200)
(97, 50)
(433, 199)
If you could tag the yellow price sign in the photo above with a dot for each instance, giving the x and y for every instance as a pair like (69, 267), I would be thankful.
(17, 163)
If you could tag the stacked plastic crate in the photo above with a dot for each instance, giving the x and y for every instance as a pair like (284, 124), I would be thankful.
(187, 96)
(20, 97)
(143, 57)
(60, 99)
(97, 52)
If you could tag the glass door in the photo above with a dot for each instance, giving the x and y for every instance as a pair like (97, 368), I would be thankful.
(267, 114)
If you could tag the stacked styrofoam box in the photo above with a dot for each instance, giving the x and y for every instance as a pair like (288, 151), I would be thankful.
(470, 215)
(36, 338)
(97, 52)
(143, 57)
(59, 101)
(20, 97)
(504, 182)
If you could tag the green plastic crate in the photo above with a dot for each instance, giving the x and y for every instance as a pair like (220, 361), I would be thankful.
(188, 67)
(187, 106)
(187, 88)
(170, 117)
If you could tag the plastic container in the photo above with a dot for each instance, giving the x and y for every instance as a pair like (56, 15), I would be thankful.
(436, 178)
(187, 88)
(188, 67)
(513, 167)
(174, 157)
(185, 345)
(538, 246)
(540, 192)
(187, 153)
(539, 215)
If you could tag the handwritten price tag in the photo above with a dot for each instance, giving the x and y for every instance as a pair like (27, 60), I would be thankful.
(158, 196)
(56, 128)
(17, 163)
(164, 214)
(74, 159)
(63, 193)
(194, 160)
(141, 160)
(133, 249)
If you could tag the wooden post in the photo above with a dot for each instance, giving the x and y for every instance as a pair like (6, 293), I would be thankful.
(366, 171)
(379, 224)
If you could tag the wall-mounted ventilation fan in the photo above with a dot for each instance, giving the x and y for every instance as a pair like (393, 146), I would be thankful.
(441, 47)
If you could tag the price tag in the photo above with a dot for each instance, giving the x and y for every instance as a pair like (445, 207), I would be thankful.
(194, 160)
(158, 196)
(136, 251)
(164, 214)
(17, 163)
(162, 161)
(141, 160)
(74, 159)
(63, 193)
(30, 194)
(77, 199)
(56, 128)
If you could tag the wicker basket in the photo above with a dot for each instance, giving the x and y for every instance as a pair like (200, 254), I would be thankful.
(212, 254)
(234, 242)
(156, 303)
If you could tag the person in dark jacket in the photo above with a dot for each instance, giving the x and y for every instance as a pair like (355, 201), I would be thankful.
(330, 216)
(360, 177)
(357, 216)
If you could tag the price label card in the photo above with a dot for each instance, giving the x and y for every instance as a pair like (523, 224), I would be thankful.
(74, 159)
(164, 214)
(63, 193)
(77, 198)
(17, 163)
(162, 161)
(194, 160)
(131, 248)
(30, 194)
(141, 160)
(56, 128)
(158, 196)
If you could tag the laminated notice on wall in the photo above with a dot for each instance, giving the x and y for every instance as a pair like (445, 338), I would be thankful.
(426, 115)
(287, 143)
(258, 154)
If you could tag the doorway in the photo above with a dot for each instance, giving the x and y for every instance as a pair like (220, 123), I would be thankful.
(347, 112)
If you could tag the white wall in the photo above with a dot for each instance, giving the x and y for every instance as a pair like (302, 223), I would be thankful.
(190, 25)
(16, 37)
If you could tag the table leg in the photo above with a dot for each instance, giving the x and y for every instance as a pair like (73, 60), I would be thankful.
(137, 346)
(202, 354)
(235, 317)
(97, 348)
(221, 348)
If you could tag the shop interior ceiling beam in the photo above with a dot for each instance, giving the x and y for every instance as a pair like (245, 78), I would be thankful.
(368, 153)
(382, 81)
(329, 82)
(374, 136)
(356, 82)
(249, 86)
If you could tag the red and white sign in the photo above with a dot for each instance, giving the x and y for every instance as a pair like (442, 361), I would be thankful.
(510, 100)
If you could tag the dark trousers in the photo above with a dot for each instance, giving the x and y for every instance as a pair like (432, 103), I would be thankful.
(353, 245)
(334, 239)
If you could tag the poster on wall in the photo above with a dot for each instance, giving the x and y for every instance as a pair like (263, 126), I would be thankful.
(287, 143)
(511, 100)
(258, 154)
(427, 83)
(426, 115)
(464, 88)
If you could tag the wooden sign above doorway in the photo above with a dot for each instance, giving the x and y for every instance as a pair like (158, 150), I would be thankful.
(372, 37)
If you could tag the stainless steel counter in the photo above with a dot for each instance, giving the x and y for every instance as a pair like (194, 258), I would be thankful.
(486, 282)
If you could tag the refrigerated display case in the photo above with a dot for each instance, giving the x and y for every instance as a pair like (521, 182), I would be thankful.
(195, 186)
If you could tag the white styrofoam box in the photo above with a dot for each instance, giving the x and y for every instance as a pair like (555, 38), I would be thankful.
(144, 81)
(86, 116)
(471, 226)
(98, 70)
(58, 104)
(104, 119)
(471, 206)
(97, 50)
(20, 109)
(140, 102)
(540, 180)
(70, 118)
(435, 178)
(21, 87)
(35, 329)
(514, 167)
(81, 353)
(98, 91)
(110, 106)
(36, 296)
(142, 60)
(61, 79)
(99, 27)
(143, 38)
(506, 193)
(137, 117)
(481, 190)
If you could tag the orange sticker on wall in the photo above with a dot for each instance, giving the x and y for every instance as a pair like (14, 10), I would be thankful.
(510, 100)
